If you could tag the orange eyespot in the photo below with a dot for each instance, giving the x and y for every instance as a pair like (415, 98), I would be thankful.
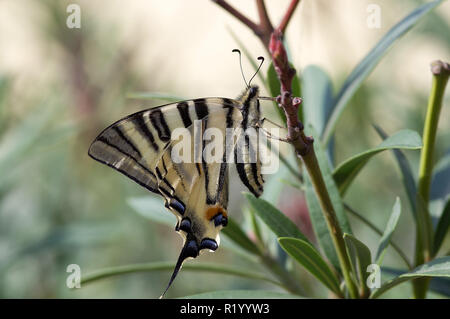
(213, 211)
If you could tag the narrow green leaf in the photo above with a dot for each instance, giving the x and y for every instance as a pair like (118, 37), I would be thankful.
(168, 266)
(315, 211)
(360, 257)
(409, 181)
(440, 187)
(317, 94)
(309, 257)
(379, 232)
(346, 172)
(442, 228)
(237, 235)
(152, 207)
(242, 294)
(255, 225)
(390, 227)
(364, 68)
(439, 267)
(155, 96)
(440, 285)
(274, 82)
(273, 218)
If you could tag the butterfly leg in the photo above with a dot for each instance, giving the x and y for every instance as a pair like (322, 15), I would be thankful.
(267, 98)
(270, 135)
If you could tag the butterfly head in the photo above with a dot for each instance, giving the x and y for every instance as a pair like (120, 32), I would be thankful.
(250, 105)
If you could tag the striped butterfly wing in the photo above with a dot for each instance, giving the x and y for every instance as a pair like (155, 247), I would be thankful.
(133, 145)
(140, 146)
(196, 192)
(176, 178)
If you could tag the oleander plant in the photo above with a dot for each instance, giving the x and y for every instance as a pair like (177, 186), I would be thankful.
(304, 237)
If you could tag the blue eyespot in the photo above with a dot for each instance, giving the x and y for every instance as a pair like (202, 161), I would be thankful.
(191, 249)
(209, 243)
(219, 219)
(185, 225)
(178, 206)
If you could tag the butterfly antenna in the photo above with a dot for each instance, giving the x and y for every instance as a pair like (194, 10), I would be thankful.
(262, 61)
(240, 63)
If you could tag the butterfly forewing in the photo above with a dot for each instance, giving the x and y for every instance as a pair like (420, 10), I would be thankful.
(134, 144)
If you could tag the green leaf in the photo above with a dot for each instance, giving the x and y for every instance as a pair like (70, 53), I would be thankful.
(390, 227)
(317, 93)
(440, 285)
(242, 294)
(346, 172)
(168, 266)
(274, 82)
(440, 187)
(152, 207)
(409, 181)
(442, 228)
(360, 257)
(155, 96)
(237, 235)
(273, 218)
(315, 211)
(439, 267)
(364, 68)
(379, 232)
(309, 257)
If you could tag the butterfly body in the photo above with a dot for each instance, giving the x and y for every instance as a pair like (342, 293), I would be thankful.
(141, 146)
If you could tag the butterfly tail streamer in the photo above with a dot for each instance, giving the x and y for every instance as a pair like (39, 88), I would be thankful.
(190, 249)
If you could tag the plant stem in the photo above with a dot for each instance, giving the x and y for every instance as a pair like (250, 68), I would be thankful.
(303, 144)
(312, 165)
(304, 149)
(288, 15)
(167, 266)
(440, 71)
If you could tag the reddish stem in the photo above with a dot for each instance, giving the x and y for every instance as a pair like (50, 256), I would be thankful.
(288, 15)
(273, 41)
(235, 13)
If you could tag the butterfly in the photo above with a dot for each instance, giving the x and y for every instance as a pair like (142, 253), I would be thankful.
(142, 147)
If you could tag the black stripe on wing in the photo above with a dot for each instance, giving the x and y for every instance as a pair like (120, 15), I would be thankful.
(201, 109)
(140, 125)
(126, 173)
(159, 122)
(183, 109)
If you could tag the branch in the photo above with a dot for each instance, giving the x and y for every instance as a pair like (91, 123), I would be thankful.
(273, 41)
(235, 13)
(288, 15)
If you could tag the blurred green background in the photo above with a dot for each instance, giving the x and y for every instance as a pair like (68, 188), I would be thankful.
(59, 87)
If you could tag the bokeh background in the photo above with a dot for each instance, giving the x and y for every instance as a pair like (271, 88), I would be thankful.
(60, 87)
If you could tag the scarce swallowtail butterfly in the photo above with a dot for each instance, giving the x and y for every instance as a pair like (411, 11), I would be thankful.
(141, 146)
